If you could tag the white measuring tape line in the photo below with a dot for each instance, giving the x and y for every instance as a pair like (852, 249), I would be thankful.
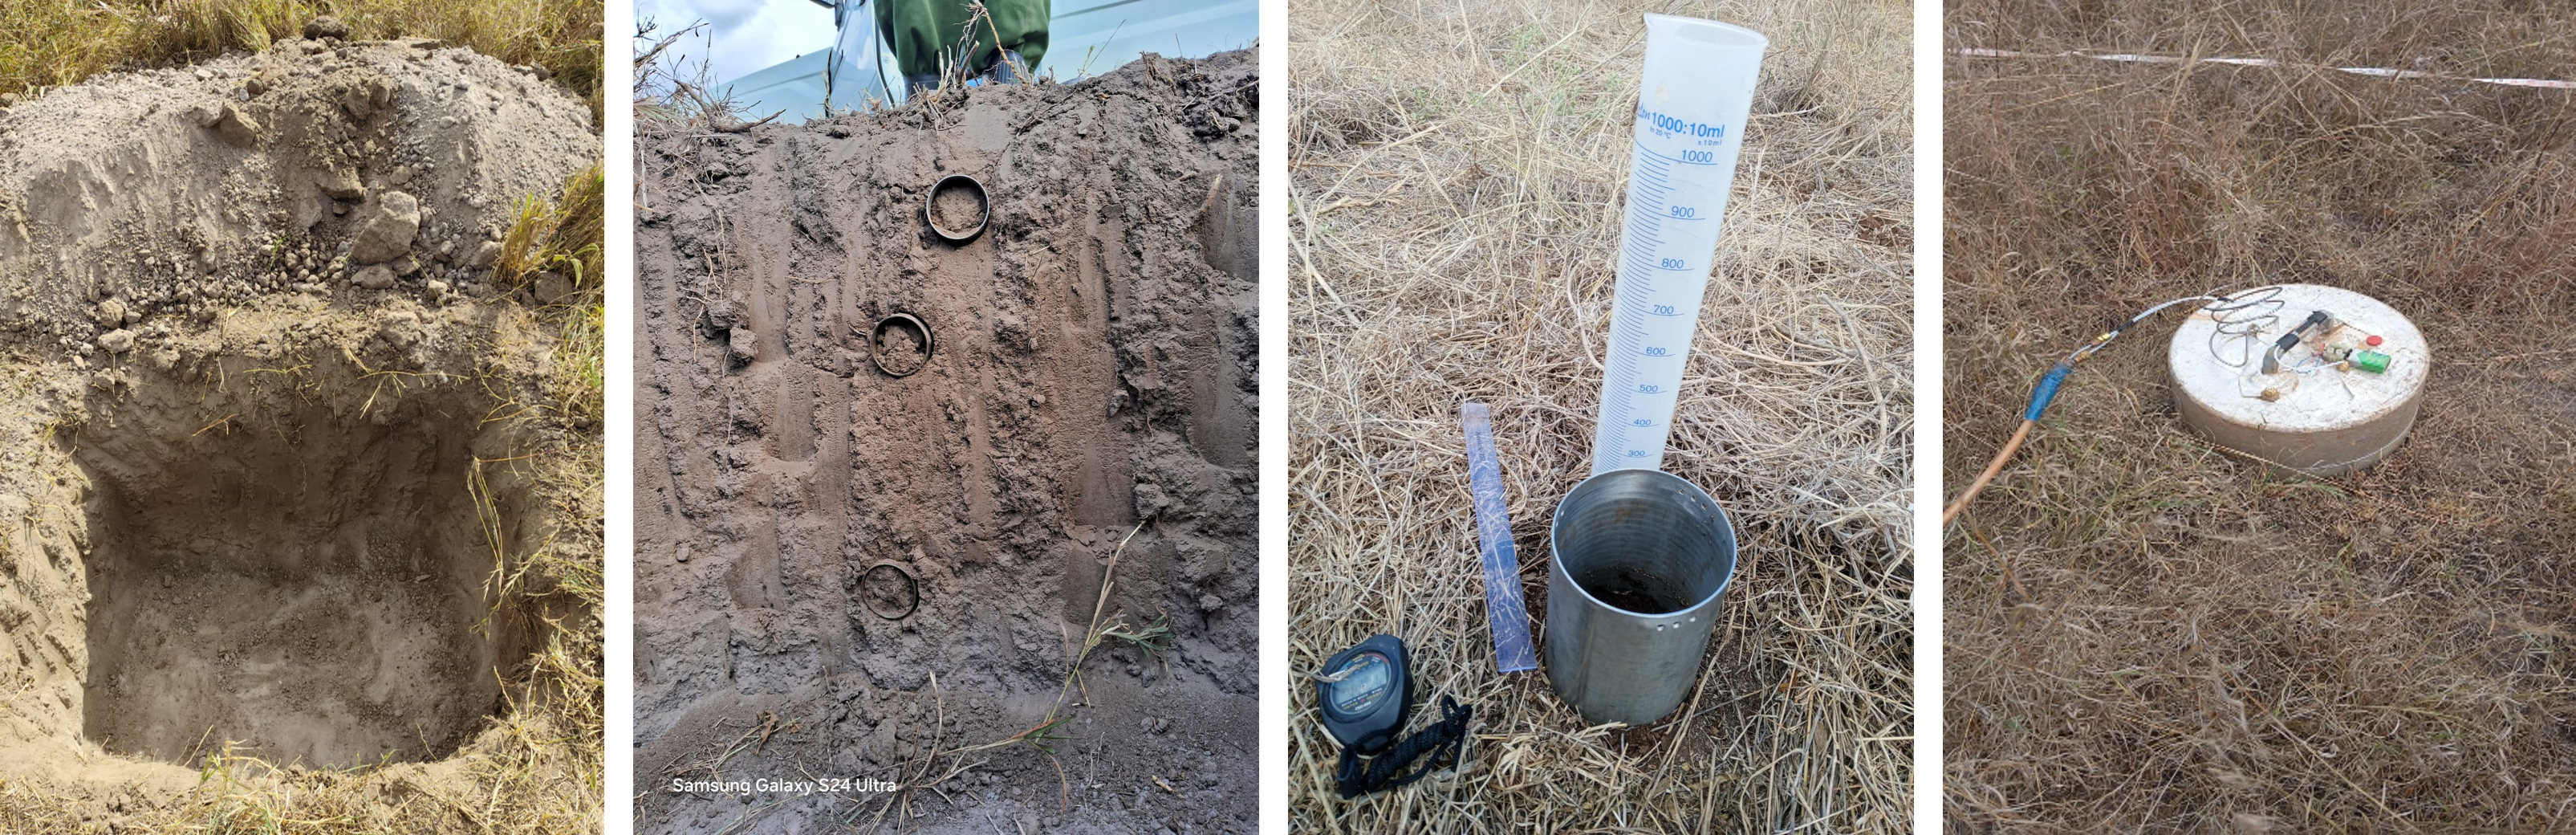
(2376, 72)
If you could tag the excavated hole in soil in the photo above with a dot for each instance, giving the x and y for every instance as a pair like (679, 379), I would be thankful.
(304, 581)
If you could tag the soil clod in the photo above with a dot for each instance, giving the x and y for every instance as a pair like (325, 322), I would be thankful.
(391, 224)
(342, 184)
(237, 128)
(325, 26)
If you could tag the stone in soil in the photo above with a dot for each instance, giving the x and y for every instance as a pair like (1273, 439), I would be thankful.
(390, 226)
(237, 128)
(342, 184)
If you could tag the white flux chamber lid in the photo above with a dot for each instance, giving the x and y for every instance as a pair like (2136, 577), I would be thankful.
(2317, 415)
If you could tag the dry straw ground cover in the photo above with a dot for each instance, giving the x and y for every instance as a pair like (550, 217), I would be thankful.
(1456, 172)
(2146, 634)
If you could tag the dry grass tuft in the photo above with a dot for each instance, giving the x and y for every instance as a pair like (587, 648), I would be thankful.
(671, 89)
(1455, 182)
(565, 237)
(2145, 633)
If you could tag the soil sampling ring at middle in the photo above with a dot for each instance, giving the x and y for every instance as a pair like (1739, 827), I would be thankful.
(949, 218)
(906, 356)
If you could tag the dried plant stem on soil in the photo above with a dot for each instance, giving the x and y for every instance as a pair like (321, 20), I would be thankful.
(1092, 636)
(1149, 639)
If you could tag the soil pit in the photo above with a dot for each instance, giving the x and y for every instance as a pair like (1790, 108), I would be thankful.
(305, 584)
(1088, 394)
(276, 540)
(252, 350)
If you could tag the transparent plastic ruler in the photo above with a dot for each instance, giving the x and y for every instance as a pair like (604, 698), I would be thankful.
(1504, 611)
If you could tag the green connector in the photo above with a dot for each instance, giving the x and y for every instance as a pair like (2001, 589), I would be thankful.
(2371, 361)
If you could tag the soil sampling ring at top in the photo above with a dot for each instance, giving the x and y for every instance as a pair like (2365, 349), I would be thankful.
(880, 596)
(950, 223)
(906, 357)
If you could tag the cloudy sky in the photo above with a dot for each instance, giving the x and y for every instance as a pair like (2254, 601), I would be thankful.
(741, 35)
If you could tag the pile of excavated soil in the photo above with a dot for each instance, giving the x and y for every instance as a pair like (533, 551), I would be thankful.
(312, 167)
(256, 461)
(1090, 373)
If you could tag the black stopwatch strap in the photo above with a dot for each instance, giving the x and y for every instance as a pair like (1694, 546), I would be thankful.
(1351, 770)
(1444, 741)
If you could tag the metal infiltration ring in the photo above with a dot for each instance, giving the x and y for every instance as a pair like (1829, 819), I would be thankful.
(911, 591)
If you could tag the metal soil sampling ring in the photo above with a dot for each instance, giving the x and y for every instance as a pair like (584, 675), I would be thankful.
(911, 595)
(958, 234)
(900, 365)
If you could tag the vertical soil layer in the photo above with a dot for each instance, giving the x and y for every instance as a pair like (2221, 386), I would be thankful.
(1087, 392)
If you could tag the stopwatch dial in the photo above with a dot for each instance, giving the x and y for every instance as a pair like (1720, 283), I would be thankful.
(1367, 681)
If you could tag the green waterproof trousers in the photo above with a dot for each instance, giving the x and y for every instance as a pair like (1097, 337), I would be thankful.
(924, 33)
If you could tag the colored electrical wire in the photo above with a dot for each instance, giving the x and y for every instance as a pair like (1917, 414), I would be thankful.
(2241, 319)
(2019, 434)
(2225, 308)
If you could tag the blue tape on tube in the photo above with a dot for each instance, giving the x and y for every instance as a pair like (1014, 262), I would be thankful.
(2047, 390)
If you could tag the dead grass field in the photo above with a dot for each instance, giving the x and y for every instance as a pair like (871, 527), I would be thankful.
(1456, 173)
(2145, 634)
